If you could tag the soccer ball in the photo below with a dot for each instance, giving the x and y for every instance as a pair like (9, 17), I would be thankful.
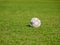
(35, 22)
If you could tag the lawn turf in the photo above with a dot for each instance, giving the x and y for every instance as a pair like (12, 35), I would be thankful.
(15, 17)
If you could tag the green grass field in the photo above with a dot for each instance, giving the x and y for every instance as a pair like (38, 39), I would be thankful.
(15, 16)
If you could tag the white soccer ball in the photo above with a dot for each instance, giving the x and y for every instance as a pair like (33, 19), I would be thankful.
(35, 22)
